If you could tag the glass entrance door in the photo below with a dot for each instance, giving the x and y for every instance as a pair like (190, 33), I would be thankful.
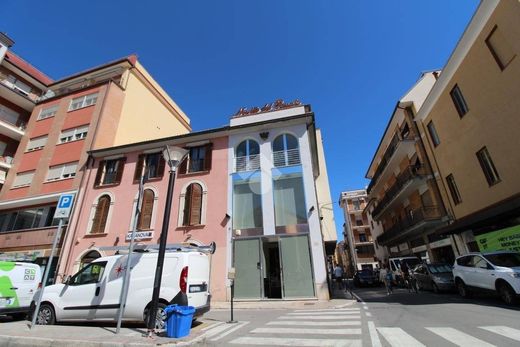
(247, 269)
(296, 267)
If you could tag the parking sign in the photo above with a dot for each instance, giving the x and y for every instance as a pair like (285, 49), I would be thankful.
(64, 206)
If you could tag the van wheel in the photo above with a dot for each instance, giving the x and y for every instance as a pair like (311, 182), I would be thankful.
(46, 315)
(160, 318)
(463, 290)
(506, 293)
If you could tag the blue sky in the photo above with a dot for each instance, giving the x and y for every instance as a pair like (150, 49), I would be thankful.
(351, 60)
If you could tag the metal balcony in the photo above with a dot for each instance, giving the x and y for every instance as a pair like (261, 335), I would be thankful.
(406, 182)
(415, 220)
(247, 163)
(286, 158)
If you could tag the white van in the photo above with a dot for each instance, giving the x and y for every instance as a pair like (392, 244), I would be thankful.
(93, 293)
(395, 265)
(18, 283)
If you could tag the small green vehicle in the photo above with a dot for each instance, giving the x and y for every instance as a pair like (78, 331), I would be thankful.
(18, 284)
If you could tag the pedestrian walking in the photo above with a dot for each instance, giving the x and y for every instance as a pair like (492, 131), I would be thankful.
(385, 276)
(338, 275)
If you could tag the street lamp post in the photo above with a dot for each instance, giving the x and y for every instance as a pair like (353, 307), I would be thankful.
(173, 157)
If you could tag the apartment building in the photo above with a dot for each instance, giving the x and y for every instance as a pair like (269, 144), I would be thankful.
(357, 231)
(100, 107)
(405, 193)
(21, 87)
(250, 187)
(470, 122)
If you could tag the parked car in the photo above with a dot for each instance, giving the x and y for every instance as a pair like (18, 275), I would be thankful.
(436, 276)
(93, 293)
(395, 267)
(18, 283)
(366, 277)
(497, 272)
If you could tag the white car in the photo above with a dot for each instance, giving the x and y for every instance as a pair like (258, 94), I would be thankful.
(93, 293)
(494, 271)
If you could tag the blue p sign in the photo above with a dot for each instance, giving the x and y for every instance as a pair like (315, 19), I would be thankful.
(64, 206)
(65, 201)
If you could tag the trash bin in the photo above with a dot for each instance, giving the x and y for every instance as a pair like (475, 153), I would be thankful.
(178, 321)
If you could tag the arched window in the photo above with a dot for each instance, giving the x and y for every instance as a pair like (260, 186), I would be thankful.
(145, 217)
(285, 150)
(193, 205)
(101, 215)
(88, 258)
(247, 156)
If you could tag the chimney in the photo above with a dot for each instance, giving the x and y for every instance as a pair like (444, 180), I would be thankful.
(5, 44)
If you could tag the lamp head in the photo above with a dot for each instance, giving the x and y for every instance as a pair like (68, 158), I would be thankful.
(173, 156)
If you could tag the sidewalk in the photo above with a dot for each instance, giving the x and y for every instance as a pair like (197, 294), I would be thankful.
(19, 334)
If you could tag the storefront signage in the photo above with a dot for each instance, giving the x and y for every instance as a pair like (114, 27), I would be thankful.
(500, 240)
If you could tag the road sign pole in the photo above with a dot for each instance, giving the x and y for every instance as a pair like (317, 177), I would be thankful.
(46, 274)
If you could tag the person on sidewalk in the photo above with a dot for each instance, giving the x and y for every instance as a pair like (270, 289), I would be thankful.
(338, 275)
(385, 276)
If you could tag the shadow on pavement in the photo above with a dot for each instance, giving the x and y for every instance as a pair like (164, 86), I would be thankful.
(403, 297)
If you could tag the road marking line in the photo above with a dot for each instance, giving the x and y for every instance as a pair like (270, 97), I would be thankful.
(217, 330)
(336, 323)
(368, 314)
(321, 313)
(374, 337)
(319, 317)
(397, 337)
(330, 310)
(273, 341)
(511, 333)
(225, 333)
(459, 338)
(348, 331)
(212, 326)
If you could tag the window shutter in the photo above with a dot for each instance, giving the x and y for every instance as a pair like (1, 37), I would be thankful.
(160, 169)
(99, 173)
(101, 215)
(207, 158)
(187, 206)
(120, 169)
(184, 166)
(145, 218)
(139, 167)
(196, 204)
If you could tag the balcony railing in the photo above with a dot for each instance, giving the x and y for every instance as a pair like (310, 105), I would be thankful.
(7, 159)
(247, 163)
(410, 173)
(387, 156)
(413, 217)
(286, 158)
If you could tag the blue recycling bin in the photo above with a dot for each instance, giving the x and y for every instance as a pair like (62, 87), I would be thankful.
(178, 321)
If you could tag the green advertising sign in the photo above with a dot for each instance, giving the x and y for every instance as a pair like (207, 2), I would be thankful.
(501, 240)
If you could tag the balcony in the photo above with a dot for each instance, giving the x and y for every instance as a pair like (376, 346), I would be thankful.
(27, 238)
(286, 158)
(416, 220)
(400, 145)
(247, 163)
(407, 182)
(16, 95)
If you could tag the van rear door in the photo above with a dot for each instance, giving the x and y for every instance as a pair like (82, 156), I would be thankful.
(198, 279)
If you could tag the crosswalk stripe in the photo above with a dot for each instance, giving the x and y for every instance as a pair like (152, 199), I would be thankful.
(227, 332)
(311, 323)
(211, 326)
(216, 330)
(319, 317)
(504, 331)
(274, 341)
(397, 337)
(459, 338)
(354, 331)
(330, 310)
(321, 313)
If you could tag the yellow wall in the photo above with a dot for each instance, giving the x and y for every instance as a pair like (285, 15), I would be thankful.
(493, 120)
(148, 112)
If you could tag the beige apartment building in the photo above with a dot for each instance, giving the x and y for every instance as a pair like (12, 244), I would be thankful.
(357, 231)
(470, 121)
(403, 192)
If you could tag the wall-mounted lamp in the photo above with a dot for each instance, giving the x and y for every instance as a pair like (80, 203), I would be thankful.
(264, 135)
(311, 209)
(227, 216)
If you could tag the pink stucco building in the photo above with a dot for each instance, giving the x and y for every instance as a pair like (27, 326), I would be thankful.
(106, 205)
